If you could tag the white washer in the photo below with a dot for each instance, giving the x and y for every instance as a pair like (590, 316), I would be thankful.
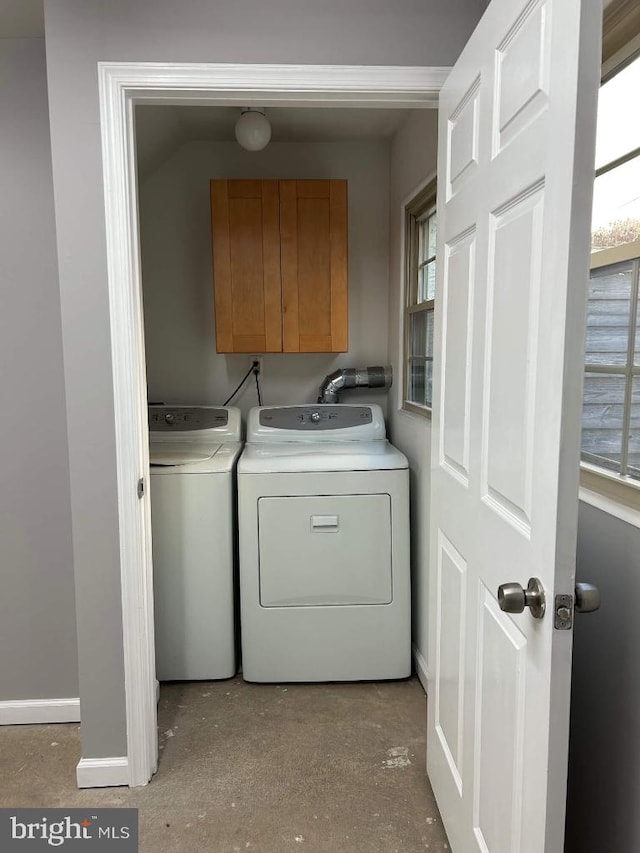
(193, 452)
(323, 511)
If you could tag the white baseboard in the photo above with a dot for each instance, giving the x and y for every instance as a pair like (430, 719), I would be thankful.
(421, 667)
(19, 712)
(102, 772)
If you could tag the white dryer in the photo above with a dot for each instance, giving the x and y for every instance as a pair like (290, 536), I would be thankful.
(193, 452)
(323, 511)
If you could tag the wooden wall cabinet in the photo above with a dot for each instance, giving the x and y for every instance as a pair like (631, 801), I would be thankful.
(280, 265)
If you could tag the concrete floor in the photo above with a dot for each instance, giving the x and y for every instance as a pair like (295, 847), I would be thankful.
(321, 768)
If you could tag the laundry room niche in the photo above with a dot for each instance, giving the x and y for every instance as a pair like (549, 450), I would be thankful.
(180, 150)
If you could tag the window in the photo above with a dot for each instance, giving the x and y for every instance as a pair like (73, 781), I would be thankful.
(420, 286)
(611, 402)
(616, 192)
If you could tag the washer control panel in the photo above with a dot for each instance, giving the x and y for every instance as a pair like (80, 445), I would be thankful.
(186, 418)
(315, 418)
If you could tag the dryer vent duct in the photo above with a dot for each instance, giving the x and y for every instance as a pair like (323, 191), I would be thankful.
(354, 377)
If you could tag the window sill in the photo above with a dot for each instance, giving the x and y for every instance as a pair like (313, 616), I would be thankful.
(610, 493)
(410, 408)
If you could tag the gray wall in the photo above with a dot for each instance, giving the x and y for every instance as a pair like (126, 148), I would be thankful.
(603, 805)
(175, 223)
(80, 33)
(37, 612)
(413, 160)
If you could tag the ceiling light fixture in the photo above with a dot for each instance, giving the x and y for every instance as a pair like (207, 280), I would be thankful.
(253, 130)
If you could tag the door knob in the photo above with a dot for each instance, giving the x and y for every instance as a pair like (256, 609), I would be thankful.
(587, 598)
(512, 598)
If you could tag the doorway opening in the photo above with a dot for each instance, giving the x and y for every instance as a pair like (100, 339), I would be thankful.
(122, 88)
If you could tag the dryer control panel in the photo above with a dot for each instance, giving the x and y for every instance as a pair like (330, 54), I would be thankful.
(317, 417)
(316, 422)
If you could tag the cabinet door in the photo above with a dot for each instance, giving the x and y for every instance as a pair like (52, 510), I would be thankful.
(246, 266)
(313, 231)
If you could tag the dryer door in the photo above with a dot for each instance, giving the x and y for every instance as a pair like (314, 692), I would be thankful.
(325, 550)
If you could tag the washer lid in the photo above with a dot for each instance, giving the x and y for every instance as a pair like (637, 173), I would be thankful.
(181, 453)
(193, 457)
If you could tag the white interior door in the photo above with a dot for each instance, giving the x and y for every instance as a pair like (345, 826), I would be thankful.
(517, 129)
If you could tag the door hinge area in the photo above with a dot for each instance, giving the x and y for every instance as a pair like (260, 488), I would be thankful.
(141, 487)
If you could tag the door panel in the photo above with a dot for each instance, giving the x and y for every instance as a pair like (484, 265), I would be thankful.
(246, 265)
(314, 265)
(522, 78)
(462, 130)
(452, 617)
(500, 729)
(456, 355)
(515, 243)
(245, 227)
(517, 131)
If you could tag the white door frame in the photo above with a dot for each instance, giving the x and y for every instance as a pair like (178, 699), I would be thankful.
(121, 86)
